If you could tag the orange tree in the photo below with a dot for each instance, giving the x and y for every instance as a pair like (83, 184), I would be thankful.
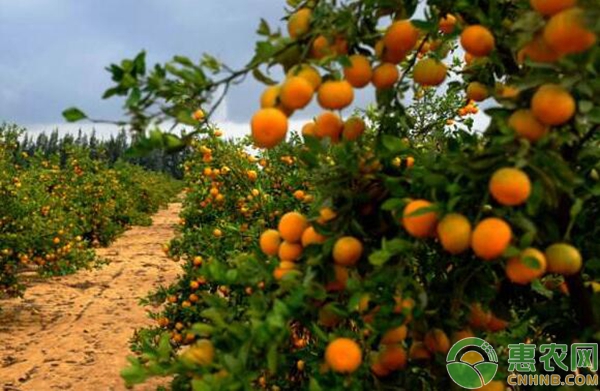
(421, 233)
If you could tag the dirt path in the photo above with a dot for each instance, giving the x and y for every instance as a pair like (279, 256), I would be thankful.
(73, 332)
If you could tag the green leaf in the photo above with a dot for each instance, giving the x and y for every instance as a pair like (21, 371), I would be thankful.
(263, 28)
(379, 258)
(73, 114)
(537, 286)
(594, 115)
(261, 77)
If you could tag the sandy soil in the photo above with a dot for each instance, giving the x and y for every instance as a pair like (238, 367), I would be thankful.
(73, 332)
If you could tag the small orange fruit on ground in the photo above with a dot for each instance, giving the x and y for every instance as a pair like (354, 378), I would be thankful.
(311, 236)
(307, 72)
(269, 242)
(538, 50)
(429, 72)
(437, 341)
(395, 335)
(299, 23)
(291, 226)
(347, 251)
(329, 124)
(510, 186)
(385, 75)
(454, 232)
(491, 238)
(335, 95)
(421, 224)
(290, 251)
(309, 129)
(477, 91)
(566, 32)
(525, 125)
(553, 105)
(528, 266)
(477, 40)
(551, 7)
(447, 24)
(296, 92)
(562, 258)
(393, 357)
(419, 352)
(359, 73)
(354, 127)
(401, 36)
(343, 355)
(269, 127)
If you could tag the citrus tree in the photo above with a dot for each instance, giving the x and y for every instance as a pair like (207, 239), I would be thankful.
(422, 231)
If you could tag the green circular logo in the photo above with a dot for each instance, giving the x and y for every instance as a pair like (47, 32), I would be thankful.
(472, 363)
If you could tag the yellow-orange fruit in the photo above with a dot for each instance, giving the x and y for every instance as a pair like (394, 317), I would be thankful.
(562, 258)
(299, 22)
(323, 47)
(478, 317)
(538, 50)
(462, 334)
(393, 357)
(354, 127)
(447, 24)
(491, 238)
(270, 96)
(454, 232)
(359, 72)
(291, 226)
(553, 105)
(395, 335)
(477, 91)
(385, 75)
(347, 251)
(269, 127)
(551, 7)
(401, 36)
(340, 278)
(510, 186)
(566, 32)
(311, 236)
(437, 341)
(269, 242)
(420, 225)
(343, 355)
(307, 72)
(379, 370)
(528, 266)
(329, 124)
(309, 129)
(429, 72)
(296, 92)
(387, 55)
(290, 251)
(419, 352)
(477, 40)
(335, 95)
(496, 324)
(525, 125)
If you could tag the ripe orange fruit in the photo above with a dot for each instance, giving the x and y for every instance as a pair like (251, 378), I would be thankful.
(525, 125)
(421, 225)
(329, 124)
(307, 72)
(477, 91)
(491, 238)
(566, 32)
(359, 73)
(418, 352)
(309, 129)
(385, 76)
(299, 22)
(395, 335)
(454, 232)
(323, 47)
(354, 127)
(270, 99)
(269, 127)
(387, 55)
(429, 72)
(311, 236)
(291, 226)
(335, 95)
(447, 24)
(477, 40)
(393, 357)
(478, 317)
(562, 258)
(290, 251)
(347, 251)
(401, 36)
(343, 355)
(521, 269)
(538, 50)
(551, 7)
(553, 105)
(510, 186)
(379, 370)
(296, 92)
(198, 115)
(269, 242)
(462, 334)
(437, 341)
(201, 353)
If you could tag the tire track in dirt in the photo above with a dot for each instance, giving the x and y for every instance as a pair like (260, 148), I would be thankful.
(73, 332)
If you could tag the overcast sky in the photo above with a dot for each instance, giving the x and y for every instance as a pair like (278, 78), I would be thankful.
(53, 52)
